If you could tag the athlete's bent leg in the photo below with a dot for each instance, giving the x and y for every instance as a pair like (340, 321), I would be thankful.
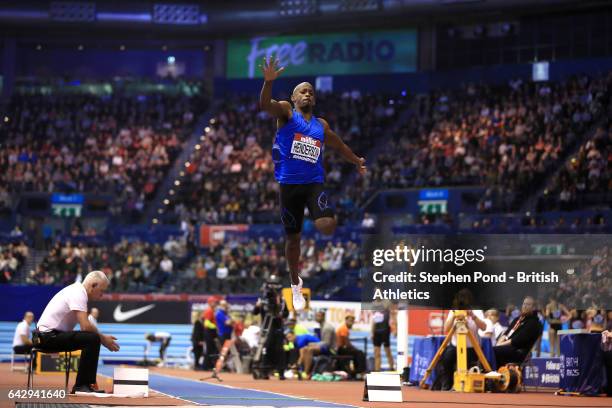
(326, 225)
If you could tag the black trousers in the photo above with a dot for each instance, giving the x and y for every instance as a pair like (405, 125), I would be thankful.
(23, 349)
(359, 359)
(87, 342)
(211, 348)
(608, 365)
(163, 346)
(198, 351)
(445, 369)
(508, 354)
(275, 356)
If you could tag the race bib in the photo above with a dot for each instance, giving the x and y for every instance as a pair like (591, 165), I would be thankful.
(305, 148)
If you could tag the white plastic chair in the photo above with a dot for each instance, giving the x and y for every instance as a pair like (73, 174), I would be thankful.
(25, 362)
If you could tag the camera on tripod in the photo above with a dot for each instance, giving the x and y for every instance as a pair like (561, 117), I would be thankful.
(273, 311)
(270, 300)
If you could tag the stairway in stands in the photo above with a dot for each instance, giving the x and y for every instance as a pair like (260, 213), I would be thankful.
(34, 258)
(548, 183)
(156, 207)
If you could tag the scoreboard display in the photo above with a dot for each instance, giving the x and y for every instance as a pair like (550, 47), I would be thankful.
(433, 201)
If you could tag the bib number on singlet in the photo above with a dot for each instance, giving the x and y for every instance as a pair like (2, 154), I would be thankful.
(305, 148)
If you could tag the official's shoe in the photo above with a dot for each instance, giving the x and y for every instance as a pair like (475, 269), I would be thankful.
(85, 389)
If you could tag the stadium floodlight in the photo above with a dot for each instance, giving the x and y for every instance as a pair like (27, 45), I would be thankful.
(179, 14)
(72, 11)
(298, 8)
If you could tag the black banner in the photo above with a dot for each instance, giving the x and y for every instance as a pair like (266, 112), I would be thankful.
(112, 311)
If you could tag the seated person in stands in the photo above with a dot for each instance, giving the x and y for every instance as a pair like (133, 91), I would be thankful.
(22, 340)
(163, 338)
(522, 333)
(346, 348)
(445, 369)
(326, 346)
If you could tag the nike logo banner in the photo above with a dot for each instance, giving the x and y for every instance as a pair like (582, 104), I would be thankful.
(122, 316)
(163, 312)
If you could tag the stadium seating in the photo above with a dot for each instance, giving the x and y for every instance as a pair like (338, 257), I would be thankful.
(120, 144)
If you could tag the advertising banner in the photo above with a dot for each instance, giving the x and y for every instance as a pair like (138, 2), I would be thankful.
(542, 372)
(170, 312)
(367, 52)
(421, 322)
(211, 235)
(581, 363)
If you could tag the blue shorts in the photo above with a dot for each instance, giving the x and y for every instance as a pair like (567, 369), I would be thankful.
(324, 348)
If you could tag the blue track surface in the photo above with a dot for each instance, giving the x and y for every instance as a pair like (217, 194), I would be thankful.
(132, 341)
(212, 394)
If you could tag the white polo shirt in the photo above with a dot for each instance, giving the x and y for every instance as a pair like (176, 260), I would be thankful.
(23, 328)
(60, 313)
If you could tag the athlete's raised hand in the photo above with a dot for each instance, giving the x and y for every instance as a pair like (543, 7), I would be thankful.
(270, 69)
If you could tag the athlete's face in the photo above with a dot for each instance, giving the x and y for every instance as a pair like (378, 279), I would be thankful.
(303, 96)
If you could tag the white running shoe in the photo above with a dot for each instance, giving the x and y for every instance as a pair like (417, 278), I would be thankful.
(299, 303)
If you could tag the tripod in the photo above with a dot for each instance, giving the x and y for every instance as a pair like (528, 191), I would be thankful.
(260, 370)
(464, 381)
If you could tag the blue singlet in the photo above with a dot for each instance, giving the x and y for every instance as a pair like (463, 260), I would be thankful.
(298, 151)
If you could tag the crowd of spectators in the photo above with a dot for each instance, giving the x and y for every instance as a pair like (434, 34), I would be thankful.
(133, 266)
(590, 284)
(586, 179)
(243, 267)
(173, 267)
(118, 144)
(230, 176)
(12, 258)
(505, 137)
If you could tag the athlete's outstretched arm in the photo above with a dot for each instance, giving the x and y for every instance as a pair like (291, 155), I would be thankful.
(282, 109)
(333, 140)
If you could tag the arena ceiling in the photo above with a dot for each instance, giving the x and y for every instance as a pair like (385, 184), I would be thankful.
(220, 19)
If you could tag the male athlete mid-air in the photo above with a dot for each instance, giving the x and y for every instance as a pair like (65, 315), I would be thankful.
(298, 166)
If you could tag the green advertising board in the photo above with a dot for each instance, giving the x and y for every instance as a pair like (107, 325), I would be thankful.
(368, 52)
